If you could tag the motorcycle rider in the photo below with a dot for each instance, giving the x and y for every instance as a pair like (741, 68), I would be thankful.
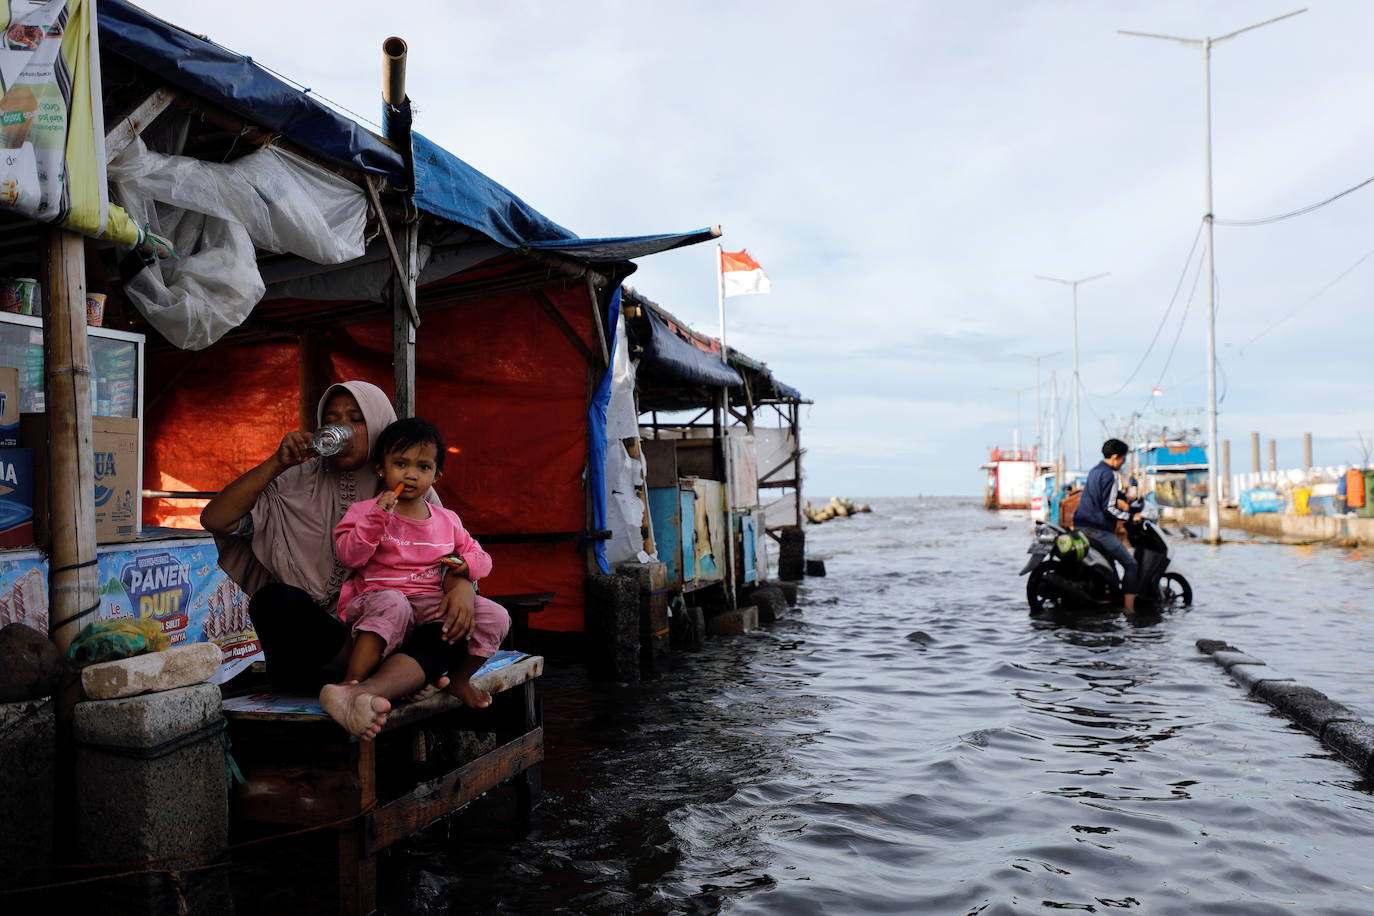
(1098, 511)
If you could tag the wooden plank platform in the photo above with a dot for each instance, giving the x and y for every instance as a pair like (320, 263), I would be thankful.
(302, 769)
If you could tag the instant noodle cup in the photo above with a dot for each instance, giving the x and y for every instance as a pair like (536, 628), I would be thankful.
(18, 295)
(95, 309)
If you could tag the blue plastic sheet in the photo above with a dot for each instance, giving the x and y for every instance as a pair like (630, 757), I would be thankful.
(444, 184)
(1260, 500)
(596, 436)
(676, 357)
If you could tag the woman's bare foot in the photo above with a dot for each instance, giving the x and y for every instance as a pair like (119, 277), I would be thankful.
(361, 713)
(429, 690)
(475, 697)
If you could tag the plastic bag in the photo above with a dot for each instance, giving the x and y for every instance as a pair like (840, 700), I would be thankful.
(216, 215)
(124, 637)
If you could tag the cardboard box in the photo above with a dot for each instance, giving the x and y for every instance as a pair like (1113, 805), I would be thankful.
(16, 497)
(116, 475)
(9, 407)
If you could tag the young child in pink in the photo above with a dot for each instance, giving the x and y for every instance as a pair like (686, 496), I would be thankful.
(405, 550)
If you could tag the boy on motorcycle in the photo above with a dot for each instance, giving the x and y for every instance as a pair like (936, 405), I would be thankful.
(1100, 508)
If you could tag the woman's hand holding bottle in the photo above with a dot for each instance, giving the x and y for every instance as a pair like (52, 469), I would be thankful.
(294, 449)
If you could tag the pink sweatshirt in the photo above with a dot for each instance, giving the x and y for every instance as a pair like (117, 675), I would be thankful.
(392, 551)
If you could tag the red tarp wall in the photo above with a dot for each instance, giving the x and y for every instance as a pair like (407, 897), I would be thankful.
(506, 388)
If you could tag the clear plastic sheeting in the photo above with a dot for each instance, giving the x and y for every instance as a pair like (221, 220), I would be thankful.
(216, 215)
(625, 513)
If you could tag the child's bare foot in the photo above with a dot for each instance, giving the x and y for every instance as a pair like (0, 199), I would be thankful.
(475, 697)
(429, 690)
(361, 713)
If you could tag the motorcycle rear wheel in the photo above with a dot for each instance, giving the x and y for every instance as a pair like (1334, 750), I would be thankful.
(1174, 591)
(1041, 595)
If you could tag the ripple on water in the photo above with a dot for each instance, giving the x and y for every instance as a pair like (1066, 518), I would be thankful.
(998, 764)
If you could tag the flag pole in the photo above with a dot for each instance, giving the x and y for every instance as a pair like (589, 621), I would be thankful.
(720, 294)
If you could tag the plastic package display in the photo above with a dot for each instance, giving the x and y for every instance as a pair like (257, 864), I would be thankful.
(216, 215)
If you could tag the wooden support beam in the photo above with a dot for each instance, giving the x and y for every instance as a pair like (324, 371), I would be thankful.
(552, 311)
(404, 322)
(599, 322)
(118, 138)
(73, 590)
(430, 801)
(358, 861)
(796, 453)
(400, 265)
(310, 375)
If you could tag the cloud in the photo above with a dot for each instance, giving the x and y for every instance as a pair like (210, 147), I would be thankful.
(902, 171)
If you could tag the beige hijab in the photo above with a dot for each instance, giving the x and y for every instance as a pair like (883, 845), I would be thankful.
(292, 536)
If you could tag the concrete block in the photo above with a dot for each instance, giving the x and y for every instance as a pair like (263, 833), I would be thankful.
(179, 666)
(771, 604)
(815, 568)
(612, 625)
(791, 554)
(28, 740)
(652, 577)
(1355, 742)
(1315, 715)
(733, 623)
(151, 782)
(148, 720)
(1208, 646)
(1275, 692)
(1226, 658)
(1250, 675)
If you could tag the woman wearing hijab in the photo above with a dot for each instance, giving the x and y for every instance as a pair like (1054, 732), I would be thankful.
(274, 528)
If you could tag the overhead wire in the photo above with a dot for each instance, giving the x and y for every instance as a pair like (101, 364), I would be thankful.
(1343, 274)
(1182, 323)
(1266, 220)
(1183, 274)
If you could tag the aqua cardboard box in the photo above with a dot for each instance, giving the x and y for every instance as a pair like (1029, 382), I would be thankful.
(9, 407)
(16, 497)
(115, 470)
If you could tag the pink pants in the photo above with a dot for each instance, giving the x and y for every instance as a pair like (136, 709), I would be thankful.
(393, 615)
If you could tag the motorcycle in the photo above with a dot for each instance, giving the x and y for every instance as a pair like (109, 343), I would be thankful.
(1070, 576)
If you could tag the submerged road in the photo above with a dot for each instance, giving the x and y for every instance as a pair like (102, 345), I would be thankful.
(911, 742)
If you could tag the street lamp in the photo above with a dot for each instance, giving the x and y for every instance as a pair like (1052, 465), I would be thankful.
(1077, 424)
(1039, 412)
(1213, 493)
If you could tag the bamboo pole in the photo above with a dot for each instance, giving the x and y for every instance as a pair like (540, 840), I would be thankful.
(394, 71)
(72, 582)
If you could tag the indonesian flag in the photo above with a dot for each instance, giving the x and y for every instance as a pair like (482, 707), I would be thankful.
(741, 274)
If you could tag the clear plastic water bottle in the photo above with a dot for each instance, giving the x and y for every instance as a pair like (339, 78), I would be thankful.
(331, 439)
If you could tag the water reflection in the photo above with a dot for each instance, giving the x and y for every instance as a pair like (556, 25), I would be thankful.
(912, 742)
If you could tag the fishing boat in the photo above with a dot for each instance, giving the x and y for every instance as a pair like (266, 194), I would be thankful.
(1011, 476)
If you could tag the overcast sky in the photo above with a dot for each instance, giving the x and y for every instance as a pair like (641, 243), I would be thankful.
(902, 171)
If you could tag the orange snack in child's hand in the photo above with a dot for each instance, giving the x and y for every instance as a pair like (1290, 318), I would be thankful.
(396, 490)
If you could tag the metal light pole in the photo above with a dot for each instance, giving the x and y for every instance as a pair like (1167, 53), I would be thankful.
(1213, 493)
(1077, 418)
(1039, 411)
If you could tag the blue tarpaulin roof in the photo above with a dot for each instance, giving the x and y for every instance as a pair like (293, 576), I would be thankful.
(682, 360)
(444, 184)
(447, 186)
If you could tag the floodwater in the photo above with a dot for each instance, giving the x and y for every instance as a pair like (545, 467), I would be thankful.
(909, 741)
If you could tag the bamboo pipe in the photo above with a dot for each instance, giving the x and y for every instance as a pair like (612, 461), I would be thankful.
(394, 71)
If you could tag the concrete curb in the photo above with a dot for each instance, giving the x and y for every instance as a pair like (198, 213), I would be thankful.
(1340, 729)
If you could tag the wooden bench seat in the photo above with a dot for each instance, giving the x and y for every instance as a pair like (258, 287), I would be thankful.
(302, 769)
